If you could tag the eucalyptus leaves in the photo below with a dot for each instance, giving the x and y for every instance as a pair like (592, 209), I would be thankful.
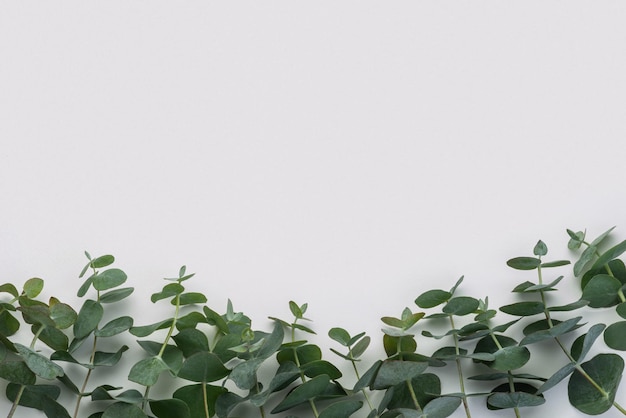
(224, 367)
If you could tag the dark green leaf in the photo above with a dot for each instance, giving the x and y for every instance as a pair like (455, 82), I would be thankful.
(191, 341)
(17, 372)
(116, 295)
(319, 367)
(88, 318)
(114, 327)
(510, 358)
(306, 354)
(360, 347)
(514, 400)
(102, 261)
(62, 314)
(340, 335)
(146, 330)
(555, 331)
(621, 310)
(295, 309)
(169, 290)
(190, 298)
(341, 409)
(602, 291)
(122, 409)
(168, 408)
(193, 396)
(432, 298)
(523, 308)
(52, 337)
(610, 254)
(108, 359)
(557, 377)
(587, 255)
(146, 372)
(309, 390)
(557, 263)
(108, 279)
(569, 307)
(462, 305)
(524, 263)
(442, 407)
(606, 370)
(203, 367)
(589, 338)
(615, 336)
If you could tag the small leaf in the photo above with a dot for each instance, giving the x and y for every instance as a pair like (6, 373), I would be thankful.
(108, 359)
(167, 408)
(116, 295)
(295, 309)
(462, 305)
(102, 261)
(432, 298)
(146, 372)
(523, 308)
(540, 248)
(146, 330)
(610, 254)
(33, 287)
(190, 298)
(108, 279)
(10, 289)
(39, 364)
(360, 347)
(308, 390)
(576, 239)
(168, 291)
(557, 263)
(114, 327)
(557, 377)
(615, 336)
(203, 367)
(340, 335)
(122, 409)
(584, 259)
(524, 263)
(589, 338)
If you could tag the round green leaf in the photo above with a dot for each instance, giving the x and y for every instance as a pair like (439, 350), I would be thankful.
(204, 367)
(340, 335)
(108, 279)
(122, 409)
(621, 310)
(193, 395)
(442, 407)
(62, 314)
(88, 318)
(514, 400)
(392, 372)
(432, 298)
(33, 287)
(510, 358)
(602, 291)
(606, 370)
(523, 308)
(462, 305)
(168, 408)
(341, 409)
(615, 336)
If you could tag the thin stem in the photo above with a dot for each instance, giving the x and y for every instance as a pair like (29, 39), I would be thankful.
(87, 376)
(205, 400)
(459, 368)
(413, 396)
(17, 401)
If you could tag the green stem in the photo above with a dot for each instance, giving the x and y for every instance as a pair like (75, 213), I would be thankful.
(17, 401)
(205, 400)
(87, 376)
(459, 369)
(413, 396)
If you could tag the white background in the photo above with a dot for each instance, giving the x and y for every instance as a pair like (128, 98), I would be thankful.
(346, 154)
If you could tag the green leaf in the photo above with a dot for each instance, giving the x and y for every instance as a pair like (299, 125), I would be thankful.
(52, 337)
(146, 372)
(609, 255)
(88, 318)
(190, 298)
(62, 314)
(576, 239)
(540, 249)
(172, 356)
(523, 308)
(621, 310)
(168, 408)
(10, 289)
(392, 372)
(17, 372)
(584, 259)
(392, 322)
(82, 290)
(8, 324)
(146, 330)
(602, 291)
(426, 387)
(309, 390)
(557, 330)
(191, 320)
(41, 397)
(589, 338)
(39, 364)
(33, 287)
(569, 307)
(244, 374)
(606, 370)
(306, 354)
(116, 295)
(203, 367)
(191, 341)
(295, 309)
(114, 327)
(557, 263)
(108, 359)
(360, 347)
(102, 261)
(432, 298)
(340, 335)
(615, 336)
(108, 279)
(462, 305)
(514, 400)
(341, 409)
(442, 407)
(510, 358)
(557, 377)
(168, 291)
(193, 396)
(122, 409)
(319, 367)
(524, 263)
(394, 345)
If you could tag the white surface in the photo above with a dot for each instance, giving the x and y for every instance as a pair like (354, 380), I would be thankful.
(346, 154)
